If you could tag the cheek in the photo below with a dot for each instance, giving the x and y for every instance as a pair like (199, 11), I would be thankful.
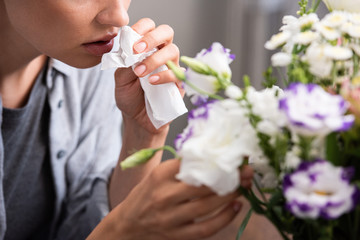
(65, 28)
(52, 25)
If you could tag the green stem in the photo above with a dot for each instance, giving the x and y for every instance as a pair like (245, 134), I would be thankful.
(243, 224)
(170, 149)
(259, 189)
(355, 229)
(202, 91)
(315, 5)
(283, 78)
(356, 65)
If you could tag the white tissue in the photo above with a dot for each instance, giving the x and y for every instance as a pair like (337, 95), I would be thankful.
(163, 102)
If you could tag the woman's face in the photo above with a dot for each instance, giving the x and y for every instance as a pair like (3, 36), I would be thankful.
(77, 32)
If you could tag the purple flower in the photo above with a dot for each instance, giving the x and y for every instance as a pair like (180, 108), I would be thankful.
(310, 110)
(319, 189)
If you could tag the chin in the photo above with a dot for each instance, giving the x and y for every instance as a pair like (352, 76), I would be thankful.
(84, 62)
(79, 60)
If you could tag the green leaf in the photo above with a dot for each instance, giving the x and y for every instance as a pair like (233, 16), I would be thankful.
(276, 199)
(333, 153)
(244, 224)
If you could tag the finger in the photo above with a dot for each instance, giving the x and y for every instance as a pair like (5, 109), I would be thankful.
(198, 208)
(143, 26)
(167, 77)
(159, 58)
(246, 174)
(159, 37)
(163, 77)
(210, 226)
(123, 76)
(179, 192)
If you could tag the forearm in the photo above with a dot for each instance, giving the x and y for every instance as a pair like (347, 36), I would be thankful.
(134, 139)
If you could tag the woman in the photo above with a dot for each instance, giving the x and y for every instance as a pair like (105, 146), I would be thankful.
(60, 131)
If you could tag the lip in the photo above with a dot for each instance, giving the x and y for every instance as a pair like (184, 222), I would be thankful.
(100, 46)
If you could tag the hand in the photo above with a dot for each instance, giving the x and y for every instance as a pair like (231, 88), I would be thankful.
(162, 208)
(128, 92)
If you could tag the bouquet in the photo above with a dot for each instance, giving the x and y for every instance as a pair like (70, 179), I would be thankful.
(303, 140)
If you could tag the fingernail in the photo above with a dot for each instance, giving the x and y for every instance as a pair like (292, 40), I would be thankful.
(139, 70)
(154, 79)
(140, 47)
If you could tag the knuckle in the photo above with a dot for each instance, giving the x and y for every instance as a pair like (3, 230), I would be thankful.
(175, 49)
(149, 21)
(156, 176)
(154, 61)
(167, 28)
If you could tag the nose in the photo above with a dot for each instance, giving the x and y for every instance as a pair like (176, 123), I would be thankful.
(114, 13)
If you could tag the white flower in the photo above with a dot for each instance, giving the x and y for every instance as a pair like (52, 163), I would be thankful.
(305, 38)
(292, 159)
(355, 18)
(277, 40)
(308, 20)
(291, 24)
(352, 29)
(267, 174)
(218, 59)
(335, 19)
(233, 92)
(337, 52)
(267, 127)
(320, 65)
(329, 33)
(281, 59)
(343, 5)
(213, 145)
(265, 104)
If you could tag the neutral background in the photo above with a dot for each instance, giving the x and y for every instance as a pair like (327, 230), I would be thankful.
(241, 25)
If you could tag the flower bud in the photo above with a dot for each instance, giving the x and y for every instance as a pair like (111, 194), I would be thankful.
(343, 5)
(138, 158)
(179, 73)
(196, 65)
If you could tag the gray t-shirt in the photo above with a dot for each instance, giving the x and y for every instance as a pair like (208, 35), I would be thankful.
(28, 185)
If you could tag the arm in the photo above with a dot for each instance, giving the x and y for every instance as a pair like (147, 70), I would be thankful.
(134, 138)
(138, 131)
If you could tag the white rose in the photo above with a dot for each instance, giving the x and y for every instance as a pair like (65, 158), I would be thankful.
(213, 145)
(343, 5)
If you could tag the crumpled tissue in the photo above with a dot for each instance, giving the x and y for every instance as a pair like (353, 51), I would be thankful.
(163, 102)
